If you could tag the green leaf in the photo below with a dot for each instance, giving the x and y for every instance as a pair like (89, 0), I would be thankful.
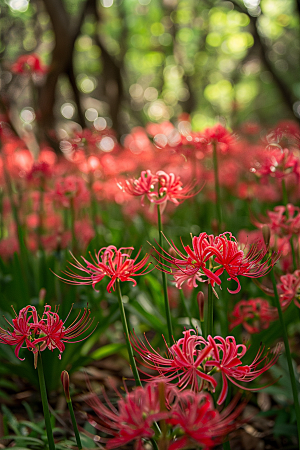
(107, 350)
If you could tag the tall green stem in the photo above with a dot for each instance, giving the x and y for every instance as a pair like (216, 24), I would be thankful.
(78, 440)
(164, 280)
(210, 313)
(288, 354)
(74, 241)
(284, 192)
(45, 403)
(125, 329)
(217, 187)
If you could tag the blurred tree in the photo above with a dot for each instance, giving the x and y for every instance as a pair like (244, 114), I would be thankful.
(131, 61)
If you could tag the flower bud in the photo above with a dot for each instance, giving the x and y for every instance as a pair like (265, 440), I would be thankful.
(66, 384)
(266, 235)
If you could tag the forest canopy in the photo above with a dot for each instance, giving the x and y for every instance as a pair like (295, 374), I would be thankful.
(123, 63)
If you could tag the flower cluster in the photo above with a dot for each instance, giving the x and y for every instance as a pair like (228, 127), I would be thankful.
(254, 314)
(289, 289)
(210, 256)
(193, 360)
(114, 263)
(159, 188)
(190, 417)
(283, 221)
(49, 331)
(277, 162)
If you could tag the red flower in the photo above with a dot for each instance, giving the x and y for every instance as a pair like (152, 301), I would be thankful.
(254, 314)
(191, 267)
(142, 186)
(289, 289)
(190, 360)
(220, 253)
(197, 423)
(158, 188)
(28, 64)
(283, 221)
(171, 188)
(53, 333)
(191, 417)
(111, 262)
(132, 419)
(226, 357)
(48, 332)
(277, 162)
(184, 361)
(24, 327)
(255, 263)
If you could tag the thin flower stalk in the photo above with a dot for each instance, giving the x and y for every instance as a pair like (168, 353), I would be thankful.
(210, 312)
(126, 332)
(45, 403)
(288, 354)
(164, 280)
(66, 382)
(217, 186)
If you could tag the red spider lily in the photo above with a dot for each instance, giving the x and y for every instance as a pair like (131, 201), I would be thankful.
(115, 263)
(142, 186)
(277, 162)
(191, 417)
(283, 221)
(190, 267)
(289, 289)
(254, 314)
(220, 135)
(53, 333)
(28, 64)
(256, 263)
(24, 327)
(226, 358)
(70, 189)
(182, 362)
(159, 188)
(221, 253)
(171, 188)
(190, 360)
(48, 332)
(132, 419)
(197, 423)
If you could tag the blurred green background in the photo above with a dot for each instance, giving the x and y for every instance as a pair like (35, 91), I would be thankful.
(133, 61)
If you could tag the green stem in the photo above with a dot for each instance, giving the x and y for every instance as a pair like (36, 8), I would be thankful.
(210, 313)
(1, 214)
(293, 254)
(164, 280)
(45, 403)
(185, 308)
(288, 354)
(128, 343)
(74, 241)
(70, 406)
(217, 187)
(226, 445)
(284, 192)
